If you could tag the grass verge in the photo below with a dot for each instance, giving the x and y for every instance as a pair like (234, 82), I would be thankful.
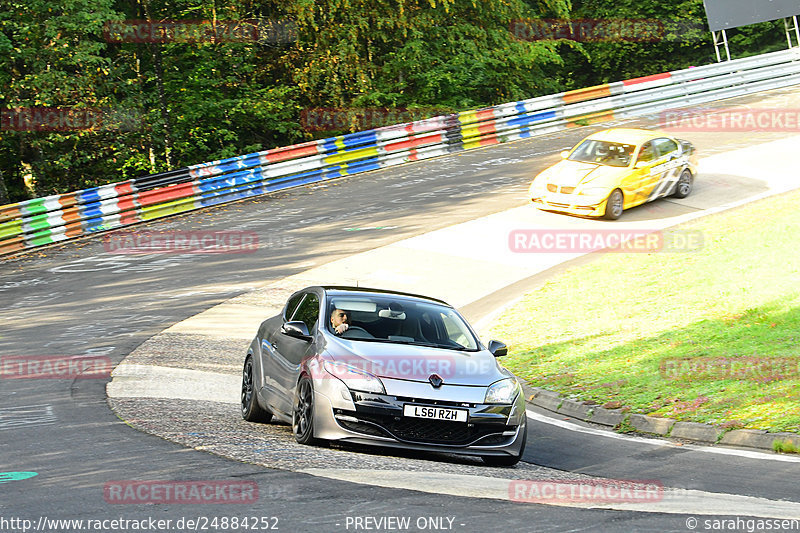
(706, 336)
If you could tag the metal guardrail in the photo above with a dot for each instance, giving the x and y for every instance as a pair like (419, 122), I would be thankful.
(61, 217)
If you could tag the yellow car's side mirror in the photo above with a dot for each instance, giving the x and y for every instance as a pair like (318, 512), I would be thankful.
(564, 154)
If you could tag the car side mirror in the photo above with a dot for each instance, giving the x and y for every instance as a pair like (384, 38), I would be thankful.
(296, 329)
(564, 154)
(640, 164)
(498, 349)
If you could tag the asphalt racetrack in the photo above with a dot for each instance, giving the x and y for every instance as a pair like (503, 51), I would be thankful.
(79, 299)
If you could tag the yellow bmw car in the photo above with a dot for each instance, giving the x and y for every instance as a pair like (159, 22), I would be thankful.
(615, 169)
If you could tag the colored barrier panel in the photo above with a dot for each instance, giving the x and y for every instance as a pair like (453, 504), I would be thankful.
(61, 217)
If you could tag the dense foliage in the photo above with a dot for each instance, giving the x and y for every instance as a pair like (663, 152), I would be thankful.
(129, 107)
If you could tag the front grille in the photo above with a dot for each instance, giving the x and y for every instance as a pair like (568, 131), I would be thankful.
(360, 427)
(494, 440)
(422, 431)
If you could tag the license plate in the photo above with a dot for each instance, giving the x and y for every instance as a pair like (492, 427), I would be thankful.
(435, 413)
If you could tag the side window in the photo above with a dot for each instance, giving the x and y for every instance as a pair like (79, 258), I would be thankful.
(292, 305)
(308, 310)
(665, 146)
(647, 154)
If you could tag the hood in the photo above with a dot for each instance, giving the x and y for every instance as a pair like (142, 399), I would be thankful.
(573, 173)
(418, 363)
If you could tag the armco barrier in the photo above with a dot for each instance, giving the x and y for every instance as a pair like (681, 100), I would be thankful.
(57, 218)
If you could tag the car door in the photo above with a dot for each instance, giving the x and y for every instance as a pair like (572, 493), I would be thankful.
(270, 360)
(288, 352)
(666, 173)
(641, 174)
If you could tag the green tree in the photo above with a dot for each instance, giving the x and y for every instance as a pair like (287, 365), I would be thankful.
(679, 38)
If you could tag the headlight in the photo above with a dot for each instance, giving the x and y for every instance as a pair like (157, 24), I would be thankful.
(594, 191)
(503, 391)
(354, 378)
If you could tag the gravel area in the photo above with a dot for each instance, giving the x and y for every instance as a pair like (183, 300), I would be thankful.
(208, 353)
(218, 428)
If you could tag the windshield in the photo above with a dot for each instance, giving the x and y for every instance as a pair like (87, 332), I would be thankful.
(603, 152)
(402, 321)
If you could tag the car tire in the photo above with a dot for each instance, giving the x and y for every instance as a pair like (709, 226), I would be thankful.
(303, 412)
(251, 410)
(684, 186)
(614, 205)
(507, 460)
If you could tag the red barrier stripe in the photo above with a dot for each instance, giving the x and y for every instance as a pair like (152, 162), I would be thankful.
(165, 194)
(291, 152)
(485, 114)
(589, 93)
(12, 245)
(9, 212)
(487, 128)
(413, 143)
(71, 213)
(127, 204)
(645, 79)
(124, 188)
(68, 200)
(487, 141)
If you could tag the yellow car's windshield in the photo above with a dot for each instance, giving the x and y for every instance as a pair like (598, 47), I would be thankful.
(603, 152)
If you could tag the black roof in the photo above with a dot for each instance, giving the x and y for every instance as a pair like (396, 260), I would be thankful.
(345, 289)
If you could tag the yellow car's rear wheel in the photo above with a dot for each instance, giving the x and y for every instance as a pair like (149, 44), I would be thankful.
(614, 205)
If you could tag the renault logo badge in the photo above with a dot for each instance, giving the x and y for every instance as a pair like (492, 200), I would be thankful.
(435, 380)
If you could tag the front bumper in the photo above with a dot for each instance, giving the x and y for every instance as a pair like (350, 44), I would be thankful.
(575, 204)
(378, 420)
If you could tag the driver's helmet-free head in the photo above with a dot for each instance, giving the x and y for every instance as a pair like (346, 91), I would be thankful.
(601, 150)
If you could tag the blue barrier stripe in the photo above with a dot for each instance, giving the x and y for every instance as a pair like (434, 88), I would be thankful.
(232, 194)
(530, 119)
(364, 165)
(229, 180)
(88, 196)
